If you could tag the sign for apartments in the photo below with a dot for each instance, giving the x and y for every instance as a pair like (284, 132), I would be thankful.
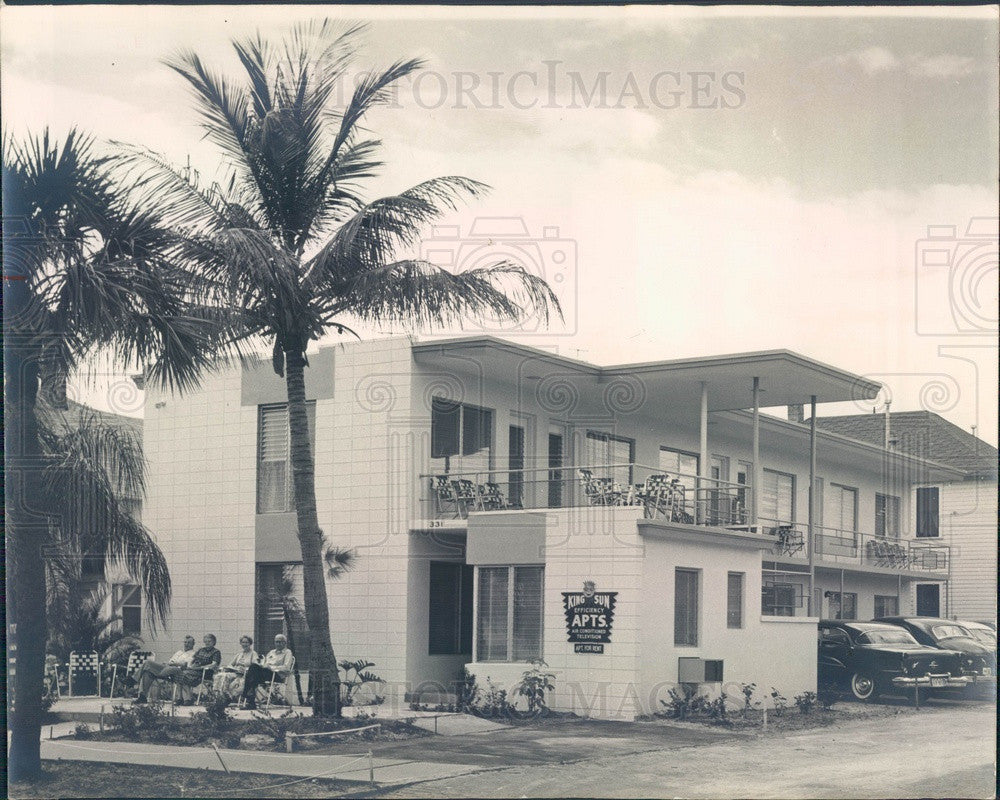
(589, 615)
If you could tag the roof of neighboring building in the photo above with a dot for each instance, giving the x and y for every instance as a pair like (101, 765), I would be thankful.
(75, 411)
(920, 433)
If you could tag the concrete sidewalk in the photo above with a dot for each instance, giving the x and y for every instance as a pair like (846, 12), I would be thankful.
(357, 766)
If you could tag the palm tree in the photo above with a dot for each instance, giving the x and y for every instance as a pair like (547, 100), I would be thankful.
(286, 239)
(84, 268)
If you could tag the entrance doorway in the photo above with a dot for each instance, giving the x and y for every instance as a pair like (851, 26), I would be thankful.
(928, 600)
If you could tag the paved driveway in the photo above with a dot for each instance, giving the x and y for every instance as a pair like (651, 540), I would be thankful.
(945, 750)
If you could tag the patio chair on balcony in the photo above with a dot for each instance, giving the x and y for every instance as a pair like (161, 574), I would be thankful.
(466, 496)
(664, 496)
(492, 498)
(789, 540)
(135, 661)
(599, 491)
(444, 497)
(881, 552)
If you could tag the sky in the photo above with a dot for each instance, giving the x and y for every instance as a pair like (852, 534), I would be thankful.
(690, 181)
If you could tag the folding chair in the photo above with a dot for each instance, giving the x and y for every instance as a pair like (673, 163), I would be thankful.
(492, 498)
(85, 671)
(52, 679)
(275, 681)
(443, 496)
(135, 661)
(465, 496)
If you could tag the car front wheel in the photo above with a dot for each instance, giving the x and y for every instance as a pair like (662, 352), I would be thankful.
(863, 686)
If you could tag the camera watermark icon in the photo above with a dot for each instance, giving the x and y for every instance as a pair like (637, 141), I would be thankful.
(956, 280)
(495, 240)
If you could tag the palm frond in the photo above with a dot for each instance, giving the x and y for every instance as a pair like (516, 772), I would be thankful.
(339, 560)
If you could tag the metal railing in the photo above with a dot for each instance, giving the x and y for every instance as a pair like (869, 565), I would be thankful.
(852, 547)
(679, 497)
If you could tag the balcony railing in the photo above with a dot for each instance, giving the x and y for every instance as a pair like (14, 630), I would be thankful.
(676, 497)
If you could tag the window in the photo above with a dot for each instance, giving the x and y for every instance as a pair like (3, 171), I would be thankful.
(734, 600)
(686, 607)
(509, 624)
(279, 608)
(887, 516)
(843, 608)
(928, 600)
(606, 448)
(127, 602)
(840, 508)
(461, 437)
(834, 636)
(777, 497)
(684, 467)
(779, 599)
(927, 512)
(275, 492)
(886, 605)
(450, 612)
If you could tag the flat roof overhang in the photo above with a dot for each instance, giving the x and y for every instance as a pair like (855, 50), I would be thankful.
(786, 378)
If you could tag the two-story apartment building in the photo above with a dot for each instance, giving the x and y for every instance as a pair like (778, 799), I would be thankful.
(634, 526)
(960, 512)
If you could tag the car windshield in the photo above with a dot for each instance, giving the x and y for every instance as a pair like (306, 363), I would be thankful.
(948, 631)
(984, 637)
(886, 637)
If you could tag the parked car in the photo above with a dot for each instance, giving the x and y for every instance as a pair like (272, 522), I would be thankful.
(872, 657)
(981, 632)
(979, 661)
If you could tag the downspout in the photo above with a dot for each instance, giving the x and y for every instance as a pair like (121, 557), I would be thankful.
(700, 506)
(810, 551)
(758, 474)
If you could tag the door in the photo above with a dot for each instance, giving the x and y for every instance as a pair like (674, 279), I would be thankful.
(928, 600)
(834, 655)
(557, 444)
(515, 461)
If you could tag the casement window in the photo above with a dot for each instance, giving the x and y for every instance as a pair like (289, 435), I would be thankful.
(734, 600)
(461, 437)
(928, 525)
(602, 449)
(777, 497)
(684, 467)
(887, 516)
(886, 605)
(275, 491)
(279, 607)
(509, 620)
(450, 611)
(127, 603)
(779, 599)
(840, 508)
(686, 607)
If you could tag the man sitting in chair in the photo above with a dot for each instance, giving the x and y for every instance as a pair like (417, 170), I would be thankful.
(207, 657)
(277, 664)
(150, 670)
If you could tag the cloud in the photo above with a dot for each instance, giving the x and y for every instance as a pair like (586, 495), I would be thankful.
(870, 60)
(945, 65)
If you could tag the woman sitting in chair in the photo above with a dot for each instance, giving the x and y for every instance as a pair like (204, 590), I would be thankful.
(277, 665)
(229, 679)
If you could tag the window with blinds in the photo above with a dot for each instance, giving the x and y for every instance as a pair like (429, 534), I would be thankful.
(509, 624)
(686, 607)
(840, 508)
(734, 600)
(274, 470)
(461, 437)
(887, 516)
(777, 497)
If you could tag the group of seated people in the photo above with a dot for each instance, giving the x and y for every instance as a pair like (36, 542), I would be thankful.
(237, 680)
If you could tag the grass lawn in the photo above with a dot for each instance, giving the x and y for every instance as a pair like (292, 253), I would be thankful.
(88, 779)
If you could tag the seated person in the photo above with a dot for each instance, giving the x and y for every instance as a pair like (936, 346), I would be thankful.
(207, 656)
(277, 664)
(151, 670)
(229, 679)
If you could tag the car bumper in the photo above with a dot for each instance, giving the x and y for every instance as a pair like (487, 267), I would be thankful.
(930, 681)
(980, 679)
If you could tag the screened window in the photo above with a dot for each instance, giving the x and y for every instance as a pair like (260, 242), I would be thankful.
(734, 600)
(887, 516)
(840, 508)
(843, 607)
(127, 600)
(279, 608)
(510, 613)
(606, 448)
(686, 607)
(777, 497)
(274, 469)
(779, 599)
(461, 437)
(886, 605)
(450, 612)
(927, 512)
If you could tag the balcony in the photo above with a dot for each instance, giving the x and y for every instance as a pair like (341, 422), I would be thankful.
(685, 499)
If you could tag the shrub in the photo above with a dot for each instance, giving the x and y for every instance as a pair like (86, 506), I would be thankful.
(465, 690)
(779, 700)
(805, 702)
(535, 682)
(491, 702)
(747, 690)
(827, 697)
(683, 703)
(716, 709)
(356, 675)
(82, 731)
(130, 720)
(276, 727)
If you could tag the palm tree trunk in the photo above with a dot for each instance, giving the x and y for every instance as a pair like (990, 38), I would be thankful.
(27, 531)
(324, 679)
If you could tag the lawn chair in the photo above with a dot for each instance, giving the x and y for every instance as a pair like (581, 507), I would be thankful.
(52, 678)
(661, 496)
(84, 673)
(599, 491)
(135, 661)
(465, 496)
(281, 683)
(444, 498)
(492, 498)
